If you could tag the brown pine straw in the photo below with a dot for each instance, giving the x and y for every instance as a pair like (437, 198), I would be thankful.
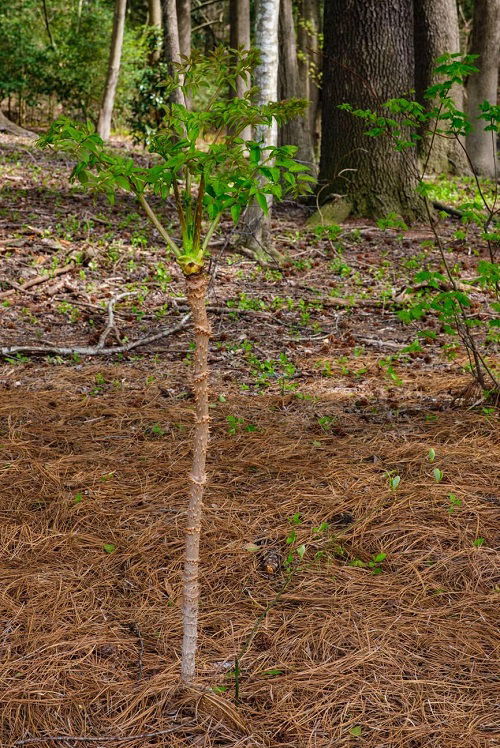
(90, 640)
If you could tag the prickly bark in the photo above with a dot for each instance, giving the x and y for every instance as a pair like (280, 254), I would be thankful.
(115, 54)
(239, 38)
(436, 33)
(291, 85)
(368, 58)
(310, 62)
(485, 42)
(196, 287)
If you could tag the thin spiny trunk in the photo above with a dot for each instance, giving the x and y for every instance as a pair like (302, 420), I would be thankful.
(196, 287)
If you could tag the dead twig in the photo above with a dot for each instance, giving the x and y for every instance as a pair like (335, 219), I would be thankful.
(99, 349)
(111, 326)
(34, 282)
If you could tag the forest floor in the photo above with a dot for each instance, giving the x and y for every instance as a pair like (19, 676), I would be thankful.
(385, 634)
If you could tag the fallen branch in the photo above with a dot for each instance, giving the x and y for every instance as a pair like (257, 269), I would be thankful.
(382, 343)
(34, 281)
(7, 126)
(97, 350)
(447, 209)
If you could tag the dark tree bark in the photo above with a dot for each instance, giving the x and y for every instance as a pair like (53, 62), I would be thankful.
(239, 38)
(291, 85)
(437, 32)
(184, 25)
(368, 58)
(115, 54)
(485, 42)
(310, 61)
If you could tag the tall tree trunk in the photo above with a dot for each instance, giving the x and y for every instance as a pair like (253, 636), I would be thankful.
(239, 38)
(368, 58)
(256, 231)
(291, 85)
(437, 32)
(184, 25)
(310, 61)
(196, 287)
(171, 44)
(154, 21)
(485, 42)
(115, 54)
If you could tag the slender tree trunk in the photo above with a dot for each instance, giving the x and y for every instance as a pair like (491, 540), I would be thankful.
(310, 61)
(196, 286)
(239, 30)
(104, 122)
(291, 85)
(437, 32)
(171, 44)
(256, 225)
(184, 24)
(368, 59)
(154, 21)
(485, 42)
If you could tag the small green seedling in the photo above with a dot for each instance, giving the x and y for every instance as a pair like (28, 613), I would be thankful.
(438, 475)
(454, 503)
(431, 456)
(155, 430)
(326, 422)
(233, 424)
(478, 542)
(374, 564)
(393, 480)
(109, 547)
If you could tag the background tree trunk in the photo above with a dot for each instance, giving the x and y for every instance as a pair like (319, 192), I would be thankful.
(292, 85)
(310, 62)
(437, 32)
(485, 42)
(171, 44)
(154, 20)
(256, 231)
(184, 25)
(7, 126)
(115, 54)
(239, 31)
(368, 58)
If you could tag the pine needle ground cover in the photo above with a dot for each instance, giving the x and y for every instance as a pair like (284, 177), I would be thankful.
(92, 507)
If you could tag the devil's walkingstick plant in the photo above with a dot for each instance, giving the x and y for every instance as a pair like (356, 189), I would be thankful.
(209, 171)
